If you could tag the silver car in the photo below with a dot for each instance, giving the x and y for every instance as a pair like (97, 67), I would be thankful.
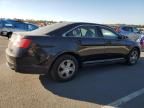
(131, 32)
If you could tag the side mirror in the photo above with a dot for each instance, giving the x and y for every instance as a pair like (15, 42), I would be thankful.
(122, 37)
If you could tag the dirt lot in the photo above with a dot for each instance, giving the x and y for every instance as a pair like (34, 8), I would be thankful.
(94, 87)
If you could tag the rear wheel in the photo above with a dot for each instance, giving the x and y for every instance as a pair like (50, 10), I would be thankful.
(64, 68)
(133, 57)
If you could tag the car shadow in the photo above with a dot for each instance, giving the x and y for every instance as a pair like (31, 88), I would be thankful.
(99, 84)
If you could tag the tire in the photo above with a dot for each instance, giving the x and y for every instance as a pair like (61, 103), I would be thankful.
(64, 68)
(9, 35)
(132, 57)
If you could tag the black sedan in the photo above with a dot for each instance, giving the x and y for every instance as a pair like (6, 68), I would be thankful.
(60, 49)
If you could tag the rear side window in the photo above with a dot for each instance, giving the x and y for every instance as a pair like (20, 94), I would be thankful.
(84, 31)
(74, 33)
(127, 29)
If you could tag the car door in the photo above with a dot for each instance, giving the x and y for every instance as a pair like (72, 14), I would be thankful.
(115, 47)
(91, 46)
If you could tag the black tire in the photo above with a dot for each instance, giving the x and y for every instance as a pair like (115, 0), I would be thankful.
(9, 35)
(55, 71)
(129, 60)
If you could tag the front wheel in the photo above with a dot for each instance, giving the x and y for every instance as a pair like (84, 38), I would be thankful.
(64, 68)
(132, 57)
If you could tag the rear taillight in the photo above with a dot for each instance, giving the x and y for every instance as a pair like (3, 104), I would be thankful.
(22, 42)
(25, 43)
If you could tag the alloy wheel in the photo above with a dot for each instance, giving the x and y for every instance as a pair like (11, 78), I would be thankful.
(66, 69)
(133, 57)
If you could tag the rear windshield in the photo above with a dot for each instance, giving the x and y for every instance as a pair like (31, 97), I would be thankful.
(47, 29)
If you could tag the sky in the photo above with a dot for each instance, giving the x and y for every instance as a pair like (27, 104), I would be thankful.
(96, 11)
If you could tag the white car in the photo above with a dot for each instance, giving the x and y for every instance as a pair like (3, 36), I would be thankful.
(131, 32)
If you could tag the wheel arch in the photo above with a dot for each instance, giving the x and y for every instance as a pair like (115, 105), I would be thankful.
(78, 58)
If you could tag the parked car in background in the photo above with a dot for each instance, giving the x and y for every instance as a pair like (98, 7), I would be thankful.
(7, 27)
(60, 49)
(141, 30)
(142, 43)
(131, 32)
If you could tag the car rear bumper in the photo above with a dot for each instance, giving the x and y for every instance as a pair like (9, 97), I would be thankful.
(24, 66)
(34, 69)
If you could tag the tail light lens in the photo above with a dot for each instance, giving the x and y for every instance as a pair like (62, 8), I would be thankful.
(25, 43)
(22, 42)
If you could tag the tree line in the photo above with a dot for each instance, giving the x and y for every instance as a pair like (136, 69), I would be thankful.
(46, 22)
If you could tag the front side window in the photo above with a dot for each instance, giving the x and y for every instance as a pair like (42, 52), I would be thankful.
(83, 31)
(127, 29)
(108, 34)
